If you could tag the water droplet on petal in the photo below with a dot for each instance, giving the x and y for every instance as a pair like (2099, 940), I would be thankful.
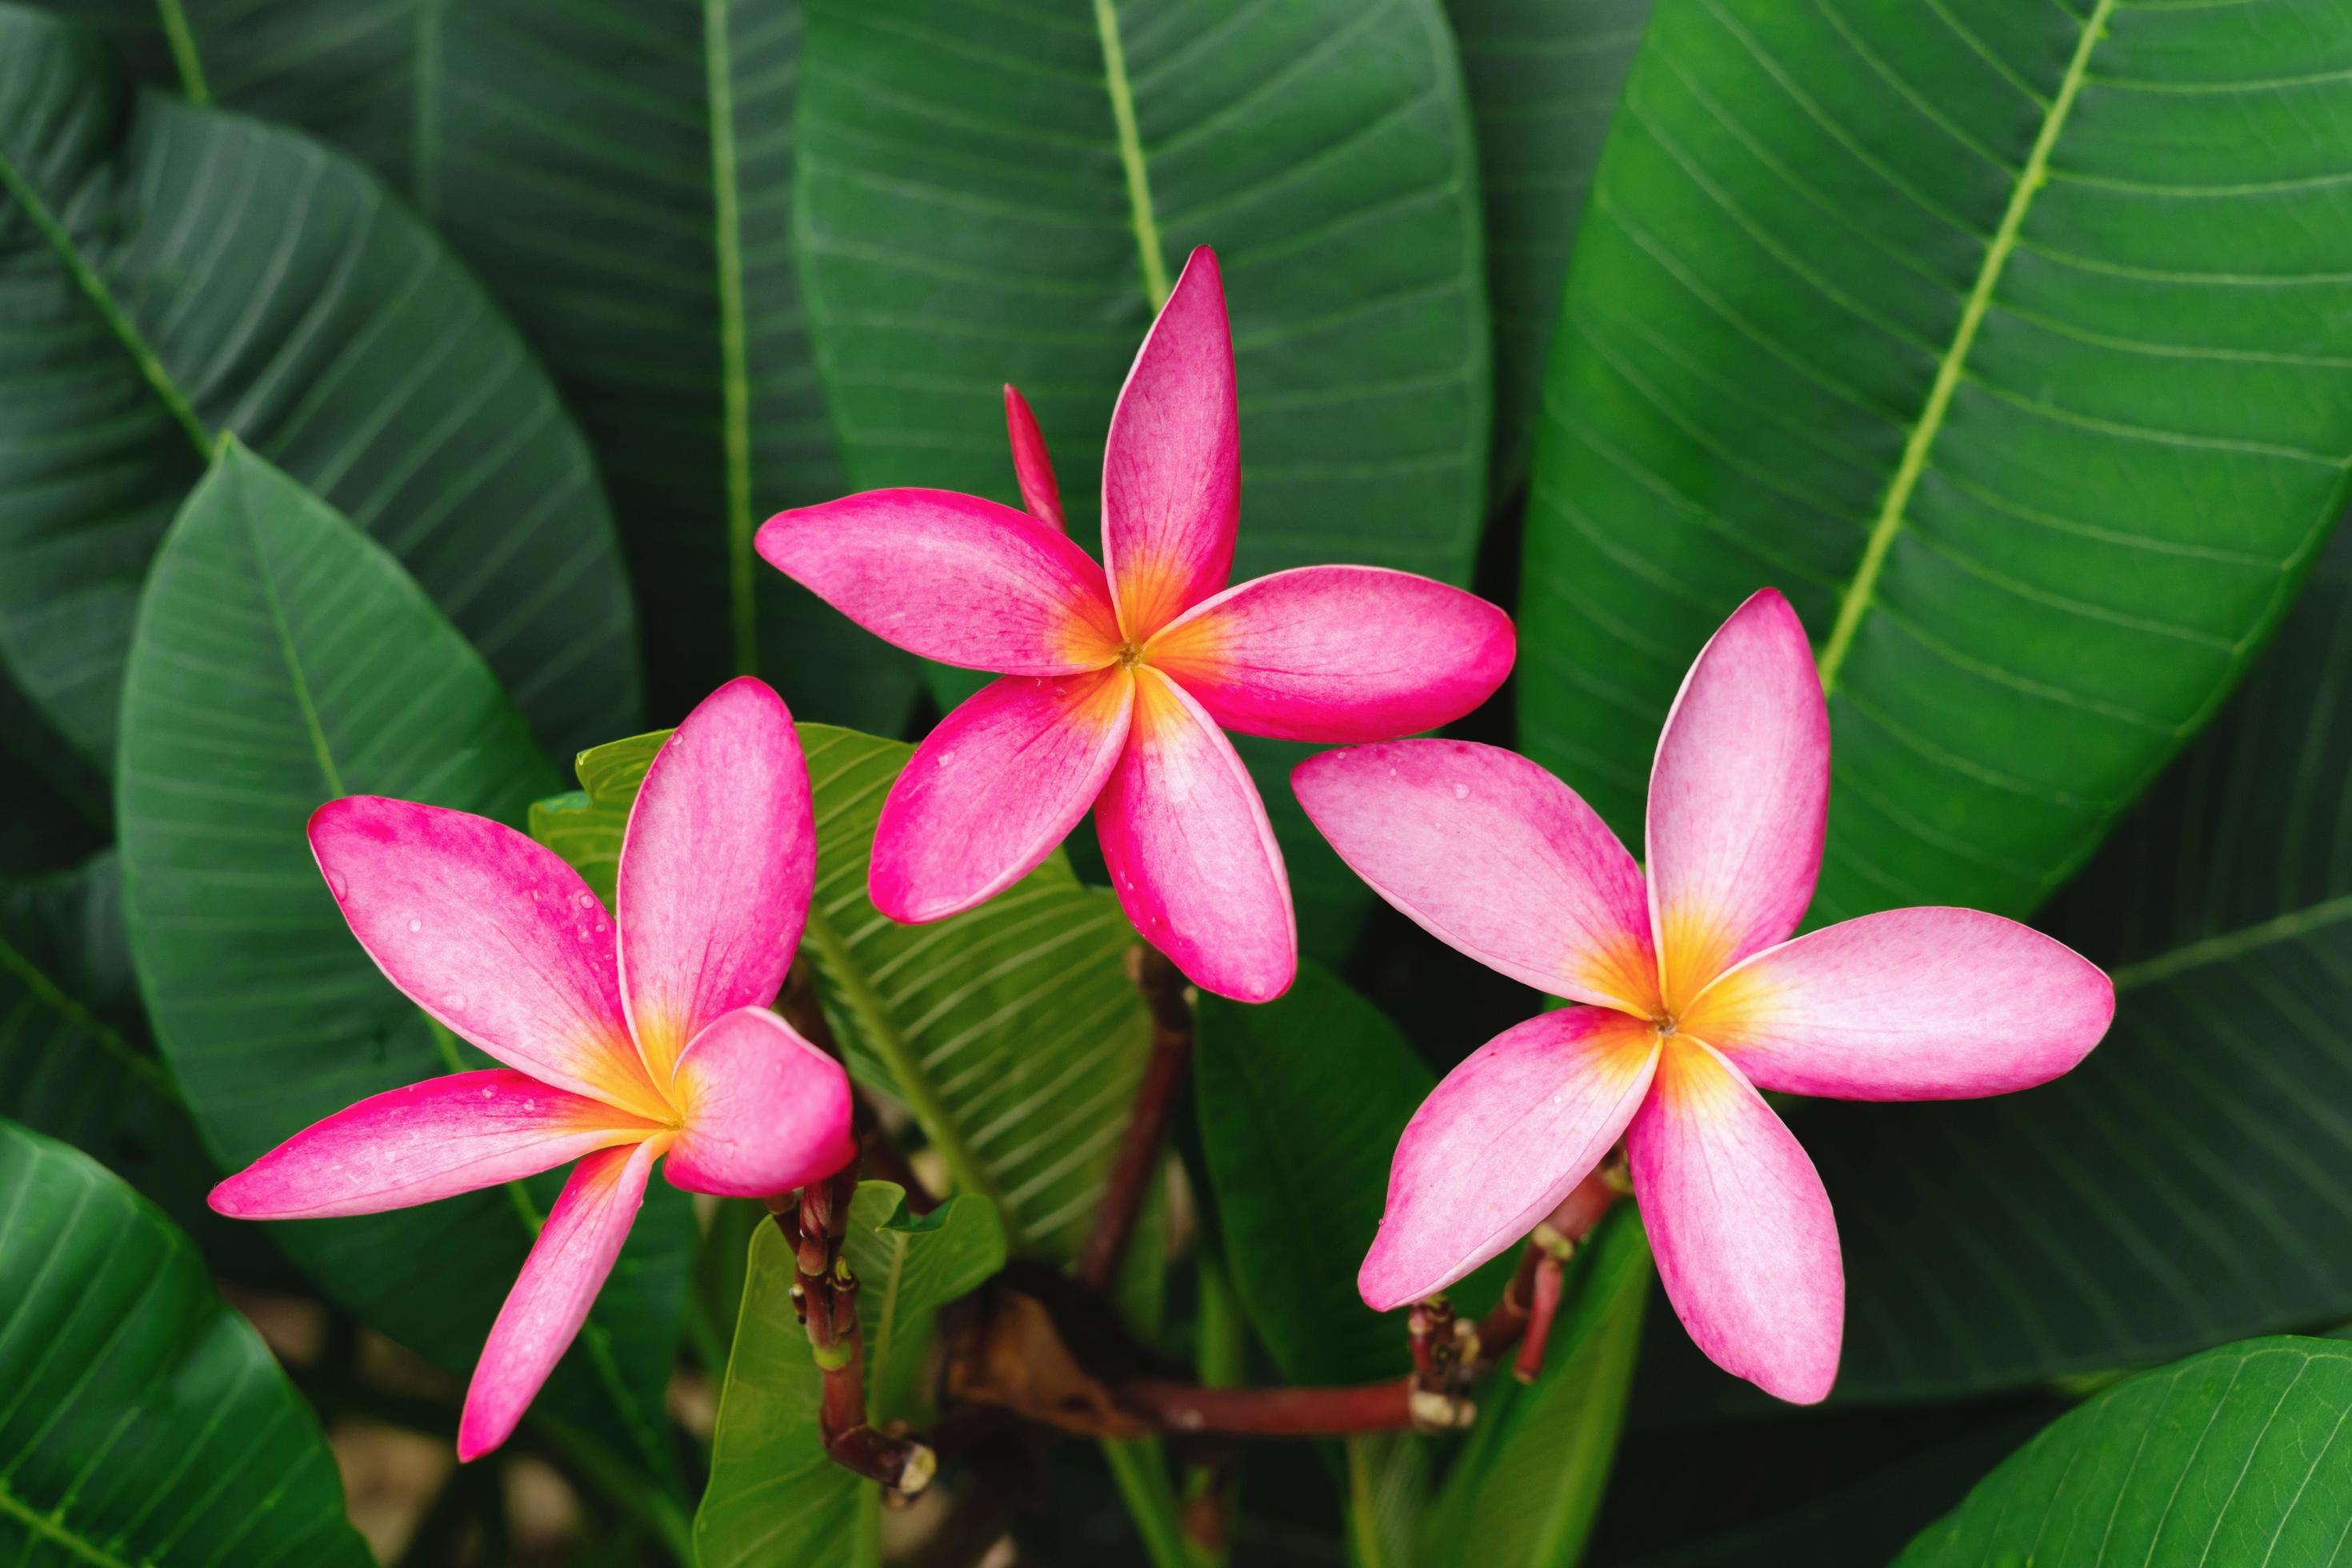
(1462, 792)
(602, 928)
(580, 932)
(415, 926)
(455, 1001)
(946, 757)
(488, 1092)
(534, 895)
(587, 900)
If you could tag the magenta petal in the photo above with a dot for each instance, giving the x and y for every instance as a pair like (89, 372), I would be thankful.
(1495, 858)
(951, 577)
(1500, 1142)
(1746, 1243)
(1924, 1003)
(1191, 852)
(567, 1267)
(1171, 468)
(1032, 464)
(765, 1111)
(1739, 797)
(488, 932)
(716, 869)
(428, 1140)
(991, 791)
(1337, 653)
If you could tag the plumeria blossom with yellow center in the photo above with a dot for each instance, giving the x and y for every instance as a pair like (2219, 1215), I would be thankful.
(1120, 679)
(1694, 999)
(626, 1037)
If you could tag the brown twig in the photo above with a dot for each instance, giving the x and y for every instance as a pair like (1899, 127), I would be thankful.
(1562, 1231)
(1162, 984)
(825, 1296)
(1189, 1407)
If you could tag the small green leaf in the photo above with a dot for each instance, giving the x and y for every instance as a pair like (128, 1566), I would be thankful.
(1528, 1484)
(141, 1421)
(774, 1497)
(281, 659)
(1012, 1032)
(2231, 1457)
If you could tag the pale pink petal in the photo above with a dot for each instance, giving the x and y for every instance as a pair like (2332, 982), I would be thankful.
(490, 934)
(1739, 797)
(994, 788)
(1926, 1004)
(716, 870)
(1337, 653)
(431, 1140)
(567, 1267)
(951, 577)
(1173, 467)
(1191, 852)
(1746, 1243)
(1494, 856)
(765, 1111)
(1500, 1142)
(1032, 464)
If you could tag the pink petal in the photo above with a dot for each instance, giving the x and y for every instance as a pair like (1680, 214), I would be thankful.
(1926, 1004)
(1032, 464)
(1746, 1243)
(994, 788)
(1337, 653)
(1172, 466)
(1739, 797)
(951, 577)
(765, 1111)
(1500, 1142)
(1191, 853)
(491, 935)
(716, 870)
(549, 1300)
(431, 1140)
(1494, 856)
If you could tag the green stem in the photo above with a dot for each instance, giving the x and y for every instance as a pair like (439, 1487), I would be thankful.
(1142, 1478)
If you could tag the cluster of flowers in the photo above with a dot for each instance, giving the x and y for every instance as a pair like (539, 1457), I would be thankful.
(648, 1033)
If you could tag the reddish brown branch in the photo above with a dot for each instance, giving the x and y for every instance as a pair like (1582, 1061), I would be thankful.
(1561, 1233)
(1175, 1407)
(1162, 985)
(825, 1295)
(877, 1151)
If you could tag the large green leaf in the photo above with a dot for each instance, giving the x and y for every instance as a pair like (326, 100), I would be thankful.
(1012, 1032)
(75, 1060)
(2186, 1186)
(282, 659)
(2013, 341)
(1528, 1484)
(141, 1420)
(2229, 1457)
(774, 1497)
(1301, 1102)
(167, 273)
(1543, 80)
(54, 810)
(993, 194)
(620, 175)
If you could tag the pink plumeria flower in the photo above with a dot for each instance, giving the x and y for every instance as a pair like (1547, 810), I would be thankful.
(1695, 999)
(1120, 679)
(626, 1037)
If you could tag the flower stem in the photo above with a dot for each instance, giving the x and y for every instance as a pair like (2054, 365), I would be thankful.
(1162, 985)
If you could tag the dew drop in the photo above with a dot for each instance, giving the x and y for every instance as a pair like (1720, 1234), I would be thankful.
(530, 1105)
(602, 928)
(1462, 792)
(415, 926)
(580, 932)
(534, 895)
(455, 1001)
(586, 899)
(488, 1092)
(946, 757)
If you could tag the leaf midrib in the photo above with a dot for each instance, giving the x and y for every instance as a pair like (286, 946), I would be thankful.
(734, 347)
(1141, 215)
(117, 321)
(2235, 943)
(45, 988)
(1861, 592)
